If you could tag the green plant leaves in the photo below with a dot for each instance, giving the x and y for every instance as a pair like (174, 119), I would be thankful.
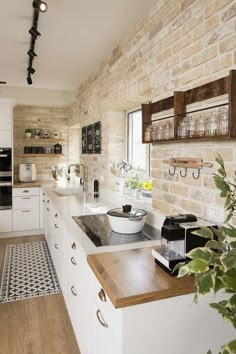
(230, 348)
(201, 253)
(204, 232)
(206, 284)
(228, 259)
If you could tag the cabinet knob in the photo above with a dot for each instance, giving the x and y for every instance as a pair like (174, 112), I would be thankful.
(43, 193)
(101, 319)
(48, 201)
(56, 246)
(73, 261)
(56, 215)
(73, 290)
(73, 246)
(48, 209)
(102, 295)
(56, 226)
(43, 201)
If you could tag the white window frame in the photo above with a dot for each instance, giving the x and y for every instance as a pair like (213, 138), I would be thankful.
(147, 170)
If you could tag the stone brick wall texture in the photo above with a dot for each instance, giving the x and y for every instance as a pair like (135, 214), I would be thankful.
(53, 119)
(178, 45)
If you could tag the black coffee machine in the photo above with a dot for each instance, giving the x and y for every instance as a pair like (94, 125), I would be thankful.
(177, 239)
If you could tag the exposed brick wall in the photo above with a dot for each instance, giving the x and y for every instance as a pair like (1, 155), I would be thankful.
(53, 119)
(176, 46)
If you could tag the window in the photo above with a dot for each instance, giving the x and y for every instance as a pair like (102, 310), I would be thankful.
(138, 154)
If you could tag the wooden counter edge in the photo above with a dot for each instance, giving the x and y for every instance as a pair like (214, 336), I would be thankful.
(140, 298)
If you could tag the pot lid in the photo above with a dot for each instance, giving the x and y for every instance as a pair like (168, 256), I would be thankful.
(126, 211)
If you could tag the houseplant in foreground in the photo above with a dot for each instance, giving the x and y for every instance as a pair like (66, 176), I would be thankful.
(214, 266)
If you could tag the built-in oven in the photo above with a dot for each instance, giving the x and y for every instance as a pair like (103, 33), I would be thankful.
(5, 178)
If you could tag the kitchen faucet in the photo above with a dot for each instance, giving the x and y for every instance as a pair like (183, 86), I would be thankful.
(79, 172)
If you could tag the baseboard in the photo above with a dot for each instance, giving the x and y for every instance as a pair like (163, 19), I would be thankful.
(22, 233)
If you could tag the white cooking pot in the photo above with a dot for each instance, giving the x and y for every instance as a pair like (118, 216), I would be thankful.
(127, 220)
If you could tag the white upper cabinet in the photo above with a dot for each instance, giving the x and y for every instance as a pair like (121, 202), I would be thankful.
(5, 116)
(6, 122)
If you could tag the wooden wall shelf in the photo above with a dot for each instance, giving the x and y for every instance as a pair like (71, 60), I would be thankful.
(48, 155)
(39, 141)
(181, 99)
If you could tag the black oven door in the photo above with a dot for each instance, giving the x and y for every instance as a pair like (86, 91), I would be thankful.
(5, 195)
(5, 161)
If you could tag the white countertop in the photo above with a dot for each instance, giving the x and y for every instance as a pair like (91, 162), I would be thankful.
(69, 206)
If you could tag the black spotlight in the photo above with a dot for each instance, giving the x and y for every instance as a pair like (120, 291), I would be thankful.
(40, 5)
(34, 33)
(32, 54)
(29, 80)
(31, 70)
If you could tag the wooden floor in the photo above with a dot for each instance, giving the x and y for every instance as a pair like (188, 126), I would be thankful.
(35, 326)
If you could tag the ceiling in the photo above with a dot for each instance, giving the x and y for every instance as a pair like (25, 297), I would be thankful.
(76, 35)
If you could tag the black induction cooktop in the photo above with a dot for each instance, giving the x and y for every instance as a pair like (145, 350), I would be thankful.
(98, 229)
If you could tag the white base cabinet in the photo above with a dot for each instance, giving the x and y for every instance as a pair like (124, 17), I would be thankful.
(169, 326)
(6, 220)
(25, 209)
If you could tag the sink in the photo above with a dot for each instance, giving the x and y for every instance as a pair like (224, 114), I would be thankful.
(66, 192)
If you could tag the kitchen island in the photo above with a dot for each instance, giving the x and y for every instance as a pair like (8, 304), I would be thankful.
(118, 299)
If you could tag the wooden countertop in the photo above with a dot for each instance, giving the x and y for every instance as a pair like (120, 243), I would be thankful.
(30, 184)
(132, 277)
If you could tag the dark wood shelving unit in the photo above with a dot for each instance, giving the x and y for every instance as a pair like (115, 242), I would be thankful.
(181, 99)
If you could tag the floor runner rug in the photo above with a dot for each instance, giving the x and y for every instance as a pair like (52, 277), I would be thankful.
(28, 272)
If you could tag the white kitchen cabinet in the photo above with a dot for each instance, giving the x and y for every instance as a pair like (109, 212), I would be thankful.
(56, 244)
(5, 138)
(6, 220)
(25, 219)
(5, 123)
(5, 115)
(25, 209)
(41, 208)
(77, 292)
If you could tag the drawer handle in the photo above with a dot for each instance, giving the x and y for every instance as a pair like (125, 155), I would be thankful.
(56, 226)
(102, 295)
(101, 319)
(73, 290)
(56, 246)
(25, 198)
(73, 261)
(48, 209)
(73, 246)
(56, 215)
(25, 191)
(43, 193)
(43, 201)
(48, 201)
(25, 211)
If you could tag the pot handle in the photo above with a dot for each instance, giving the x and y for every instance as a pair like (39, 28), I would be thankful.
(135, 217)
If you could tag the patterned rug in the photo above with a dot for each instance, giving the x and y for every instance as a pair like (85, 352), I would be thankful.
(28, 272)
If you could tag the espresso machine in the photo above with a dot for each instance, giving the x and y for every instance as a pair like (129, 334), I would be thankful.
(177, 239)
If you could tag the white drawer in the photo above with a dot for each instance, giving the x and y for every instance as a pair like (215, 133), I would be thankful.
(22, 192)
(26, 202)
(25, 219)
(5, 220)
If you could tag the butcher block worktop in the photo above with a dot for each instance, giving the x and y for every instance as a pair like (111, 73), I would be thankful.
(132, 277)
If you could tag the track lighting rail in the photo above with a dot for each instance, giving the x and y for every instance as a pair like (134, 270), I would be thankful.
(38, 6)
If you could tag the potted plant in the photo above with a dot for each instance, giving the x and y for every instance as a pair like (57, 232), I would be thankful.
(28, 133)
(214, 266)
(134, 184)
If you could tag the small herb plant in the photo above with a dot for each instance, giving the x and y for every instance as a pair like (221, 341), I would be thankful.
(28, 131)
(214, 265)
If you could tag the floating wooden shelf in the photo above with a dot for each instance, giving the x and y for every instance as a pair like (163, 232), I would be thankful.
(179, 101)
(48, 155)
(39, 141)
